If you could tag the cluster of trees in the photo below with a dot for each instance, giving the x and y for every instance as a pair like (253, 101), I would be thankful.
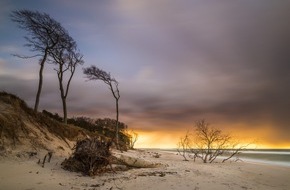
(102, 127)
(106, 128)
(53, 44)
(207, 143)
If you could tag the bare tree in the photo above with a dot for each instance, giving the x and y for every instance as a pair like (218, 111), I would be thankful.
(44, 34)
(184, 146)
(133, 136)
(94, 73)
(208, 143)
(67, 58)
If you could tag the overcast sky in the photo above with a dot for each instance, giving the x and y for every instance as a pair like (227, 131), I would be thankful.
(177, 61)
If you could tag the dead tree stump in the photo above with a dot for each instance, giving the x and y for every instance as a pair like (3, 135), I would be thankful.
(90, 156)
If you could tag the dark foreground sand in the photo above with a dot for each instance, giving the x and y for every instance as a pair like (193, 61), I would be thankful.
(174, 174)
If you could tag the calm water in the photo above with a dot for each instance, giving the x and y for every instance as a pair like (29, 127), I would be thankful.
(271, 156)
(265, 156)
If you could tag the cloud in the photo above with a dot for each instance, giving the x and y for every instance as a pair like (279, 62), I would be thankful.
(176, 62)
(9, 49)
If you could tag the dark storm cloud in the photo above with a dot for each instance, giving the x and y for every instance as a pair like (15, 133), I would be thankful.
(176, 61)
(248, 45)
(23, 89)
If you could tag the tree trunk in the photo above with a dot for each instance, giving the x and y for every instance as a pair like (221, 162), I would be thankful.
(40, 81)
(64, 110)
(117, 124)
(63, 99)
(62, 94)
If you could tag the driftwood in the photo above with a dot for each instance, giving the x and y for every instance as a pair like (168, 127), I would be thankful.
(134, 162)
(46, 158)
(91, 156)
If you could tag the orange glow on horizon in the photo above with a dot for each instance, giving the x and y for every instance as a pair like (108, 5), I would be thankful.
(161, 139)
(156, 140)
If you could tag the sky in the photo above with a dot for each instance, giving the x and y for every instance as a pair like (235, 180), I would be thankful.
(177, 62)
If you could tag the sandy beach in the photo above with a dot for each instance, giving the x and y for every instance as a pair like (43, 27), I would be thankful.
(174, 173)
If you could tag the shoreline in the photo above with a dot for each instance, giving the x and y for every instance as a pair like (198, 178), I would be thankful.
(244, 157)
(173, 174)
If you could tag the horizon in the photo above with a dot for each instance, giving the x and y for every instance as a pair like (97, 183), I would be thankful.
(176, 63)
(247, 149)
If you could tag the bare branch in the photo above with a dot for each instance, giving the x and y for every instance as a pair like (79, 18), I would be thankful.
(208, 143)
(43, 35)
(184, 146)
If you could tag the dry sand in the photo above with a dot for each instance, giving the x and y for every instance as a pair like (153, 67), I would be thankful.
(175, 174)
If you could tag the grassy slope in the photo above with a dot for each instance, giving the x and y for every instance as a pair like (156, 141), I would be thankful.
(23, 130)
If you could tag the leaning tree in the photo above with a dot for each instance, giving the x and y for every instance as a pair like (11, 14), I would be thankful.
(94, 73)
(43, 35)
(66, 57)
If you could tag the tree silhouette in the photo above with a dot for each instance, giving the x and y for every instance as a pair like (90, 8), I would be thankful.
(44, 34)
(208, 143)
(133, 137)
(94, 73)
(67, 58)
(184, 145)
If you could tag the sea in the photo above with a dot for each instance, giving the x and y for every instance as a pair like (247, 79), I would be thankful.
(263, 156)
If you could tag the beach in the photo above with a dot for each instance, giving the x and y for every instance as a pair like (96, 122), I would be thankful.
(172, 173)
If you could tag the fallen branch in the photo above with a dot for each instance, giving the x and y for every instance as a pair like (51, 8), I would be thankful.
(48, 156)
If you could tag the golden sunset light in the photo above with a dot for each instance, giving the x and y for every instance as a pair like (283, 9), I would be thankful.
(144, 94)
(168, 140)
